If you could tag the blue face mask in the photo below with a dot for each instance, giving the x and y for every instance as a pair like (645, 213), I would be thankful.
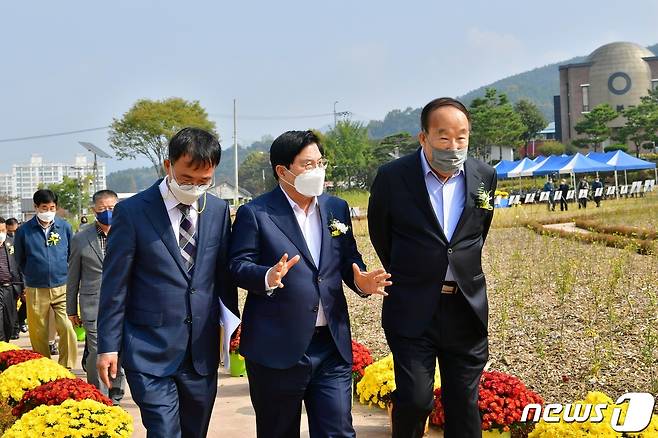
(105, 217)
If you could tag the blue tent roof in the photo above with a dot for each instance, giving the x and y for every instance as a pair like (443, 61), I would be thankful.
(552, 164)
(581, 164)
(521, 166)
(620, 160)
(504, 166)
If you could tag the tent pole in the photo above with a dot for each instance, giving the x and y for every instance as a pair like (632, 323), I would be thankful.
(616, 185)
(625, 178)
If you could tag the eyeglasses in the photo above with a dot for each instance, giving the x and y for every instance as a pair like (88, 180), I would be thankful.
(322, 163)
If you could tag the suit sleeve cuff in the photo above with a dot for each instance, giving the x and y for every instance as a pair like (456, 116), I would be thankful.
(268, 290)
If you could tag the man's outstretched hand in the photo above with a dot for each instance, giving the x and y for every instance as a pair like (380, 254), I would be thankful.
(278, 271)
(373, 282)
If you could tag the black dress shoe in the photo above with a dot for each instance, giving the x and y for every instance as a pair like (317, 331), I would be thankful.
(24, 328)
(15, 336)
(54, 351)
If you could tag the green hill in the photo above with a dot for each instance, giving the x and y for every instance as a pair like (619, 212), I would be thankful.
(538, 85)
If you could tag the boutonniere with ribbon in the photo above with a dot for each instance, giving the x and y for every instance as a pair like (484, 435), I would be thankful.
(53, 239)
(337, 228)
(483, 198)
(10, 248)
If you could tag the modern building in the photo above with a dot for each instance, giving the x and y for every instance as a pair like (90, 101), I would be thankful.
(617, 73)
(18, 187)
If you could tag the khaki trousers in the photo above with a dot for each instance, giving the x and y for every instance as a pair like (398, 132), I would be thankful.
(39, 303)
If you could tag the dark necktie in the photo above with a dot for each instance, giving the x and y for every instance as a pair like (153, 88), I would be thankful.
(186, 238)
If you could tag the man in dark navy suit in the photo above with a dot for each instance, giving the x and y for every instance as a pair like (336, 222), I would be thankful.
(165, 279)
(295, 330)
(428, 216)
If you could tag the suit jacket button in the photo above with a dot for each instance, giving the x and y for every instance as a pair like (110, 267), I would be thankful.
(192, 290)
(315, 308)
(188, 320)
(319, 279)
(449, 250)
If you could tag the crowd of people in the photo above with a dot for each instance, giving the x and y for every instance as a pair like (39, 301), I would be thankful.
(50, 281)
(157, 294)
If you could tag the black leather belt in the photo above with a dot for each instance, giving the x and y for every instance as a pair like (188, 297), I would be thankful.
(449, 287)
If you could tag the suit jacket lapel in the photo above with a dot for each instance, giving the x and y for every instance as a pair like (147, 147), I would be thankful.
(283, 217)
(472, 181)
(157, 214)
(92, 237)
(418, 189)
(204, 220)
(325, 218)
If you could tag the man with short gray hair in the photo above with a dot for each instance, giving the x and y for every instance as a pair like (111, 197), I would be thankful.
(84, 285)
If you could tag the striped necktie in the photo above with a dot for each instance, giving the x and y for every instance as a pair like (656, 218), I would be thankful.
(186, 237)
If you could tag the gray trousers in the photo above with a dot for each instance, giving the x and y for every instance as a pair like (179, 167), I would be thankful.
(116, 392)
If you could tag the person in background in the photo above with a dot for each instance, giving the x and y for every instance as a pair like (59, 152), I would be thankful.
(83, 222)
(564, 188)
(83, 287)
(550, 188)
(21, 322)
(11, 285)
(42, 252)
(582, 185)
(597, 184)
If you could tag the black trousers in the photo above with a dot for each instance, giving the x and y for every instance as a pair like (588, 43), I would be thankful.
(457, 339)
(322, 380)
(7, 313)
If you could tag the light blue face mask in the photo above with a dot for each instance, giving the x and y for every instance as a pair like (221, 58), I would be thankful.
(448, 161)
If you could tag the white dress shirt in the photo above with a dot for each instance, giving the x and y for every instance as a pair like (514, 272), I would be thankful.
(447, 200)
(311, 227)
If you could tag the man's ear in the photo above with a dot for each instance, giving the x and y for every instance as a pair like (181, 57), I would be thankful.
(166, 164)
(422, 138)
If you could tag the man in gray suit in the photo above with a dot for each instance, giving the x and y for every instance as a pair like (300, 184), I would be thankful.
(84, 284)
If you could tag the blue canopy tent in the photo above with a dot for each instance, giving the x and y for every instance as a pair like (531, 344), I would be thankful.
(524, 164)
(552, 164)
(504, 166)
(538, 162)
(620, 160)
(579, 163)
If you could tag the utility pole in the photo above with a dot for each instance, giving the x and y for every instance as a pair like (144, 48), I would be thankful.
(236, 198)
(335, 114)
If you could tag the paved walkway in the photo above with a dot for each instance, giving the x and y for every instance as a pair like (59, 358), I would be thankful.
(233, 415)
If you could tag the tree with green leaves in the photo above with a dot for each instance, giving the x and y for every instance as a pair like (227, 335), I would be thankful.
(532, 119)
(551, 147)
(146, 128)
(494, 123)
(255, 173)
(594, 126)
(73, 193)
(349, 151)
(641, 122)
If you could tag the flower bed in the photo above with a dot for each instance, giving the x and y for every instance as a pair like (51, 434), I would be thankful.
(14, 357)
(378, 383)
(85, 418)
(17, 379)
(587, 428)
(7, 346)
(55, 392)
(501, 401)
(361, 358)
(39, 397)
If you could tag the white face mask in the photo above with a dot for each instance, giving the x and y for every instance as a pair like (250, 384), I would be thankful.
(309, 183)
(3, 237)
(46, 216)
(186, 193)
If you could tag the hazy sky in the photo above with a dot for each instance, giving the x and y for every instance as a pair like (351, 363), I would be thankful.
(77, 64)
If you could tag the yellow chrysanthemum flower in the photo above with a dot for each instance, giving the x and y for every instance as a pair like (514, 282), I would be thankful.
(17, 379)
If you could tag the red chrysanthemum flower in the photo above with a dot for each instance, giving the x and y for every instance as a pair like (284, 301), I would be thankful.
(13, 357)
(55, 392)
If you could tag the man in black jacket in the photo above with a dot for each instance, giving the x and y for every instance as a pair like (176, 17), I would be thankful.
(11, 285)
(429, 214)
